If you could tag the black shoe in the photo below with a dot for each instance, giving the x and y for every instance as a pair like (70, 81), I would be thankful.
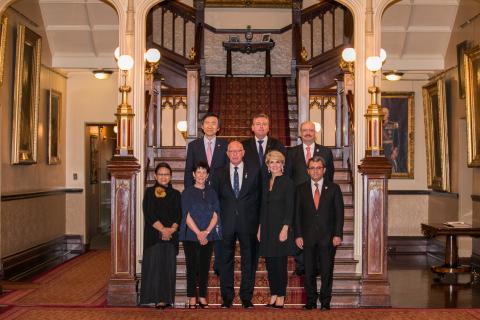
(325, 307)
(247, 304)
(310, 306)
(270, 305)
(226, 305)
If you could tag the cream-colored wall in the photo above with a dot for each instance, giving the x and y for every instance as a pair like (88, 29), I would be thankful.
(26, 223)
(239, 18)
(406, 213)
(89, 101)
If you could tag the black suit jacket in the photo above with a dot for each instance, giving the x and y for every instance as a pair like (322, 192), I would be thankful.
(196, 153)
(297, 166)
(239, 214)
(318, 226)
(251, 152)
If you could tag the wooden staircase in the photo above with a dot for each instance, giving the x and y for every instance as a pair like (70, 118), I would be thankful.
(346, 285)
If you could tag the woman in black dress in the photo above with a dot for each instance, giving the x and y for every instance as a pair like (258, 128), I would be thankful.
(199, 229)
(276, 218)
(162, 212)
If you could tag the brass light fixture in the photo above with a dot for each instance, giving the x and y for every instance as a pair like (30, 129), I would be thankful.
(393, 75)
(152, 60)
(124, 111)
(348, 60)
(102, 74)
(182, 127)
(374, 113)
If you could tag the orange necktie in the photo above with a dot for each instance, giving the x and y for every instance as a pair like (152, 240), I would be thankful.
(316, 196)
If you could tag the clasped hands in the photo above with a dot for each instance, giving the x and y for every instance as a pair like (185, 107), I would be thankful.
(202, 237)
(336, 241)
(167, 233)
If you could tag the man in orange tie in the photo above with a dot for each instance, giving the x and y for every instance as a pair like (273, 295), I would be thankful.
(296, 168)
(319, 215)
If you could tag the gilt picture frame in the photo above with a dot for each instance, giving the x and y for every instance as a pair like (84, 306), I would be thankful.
(399, 132)
(54, 125)
(26, 96)
(3, 44)
(436, 134)
(472, 95)
(462, 47)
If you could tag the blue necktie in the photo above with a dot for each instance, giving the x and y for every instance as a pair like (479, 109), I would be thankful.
(236, 182)
(260, 152)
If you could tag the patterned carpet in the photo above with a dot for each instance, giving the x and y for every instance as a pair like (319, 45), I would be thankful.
(72, 283)
(27, 313)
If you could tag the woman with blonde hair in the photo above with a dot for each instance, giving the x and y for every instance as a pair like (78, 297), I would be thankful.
(276, 216)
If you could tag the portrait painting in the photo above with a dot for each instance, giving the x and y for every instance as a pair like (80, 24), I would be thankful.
(436, 134)
(398, 132)
(54, 123)
(461, 49)
(3, 44)
(26, 96)
(472, 92)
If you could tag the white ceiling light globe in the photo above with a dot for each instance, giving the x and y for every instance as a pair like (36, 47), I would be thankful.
(383, 55)
(349, 55)
(116, 53)
(318, 127)
(182, 126)
(125, 62)
(152, 55)
(374, 63)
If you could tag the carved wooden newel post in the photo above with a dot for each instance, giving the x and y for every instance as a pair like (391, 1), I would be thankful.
(122, 286)
(376, 171)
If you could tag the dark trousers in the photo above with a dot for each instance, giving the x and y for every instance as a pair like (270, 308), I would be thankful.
(299, 266)
(277, 275)
(198, 264)
(248, 253)
(217, 249)
(323, 255)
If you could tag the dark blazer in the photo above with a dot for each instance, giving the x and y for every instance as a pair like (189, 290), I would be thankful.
(297, 166)
(251, 152)
(196, 153)
(242, 214)
(318, 226)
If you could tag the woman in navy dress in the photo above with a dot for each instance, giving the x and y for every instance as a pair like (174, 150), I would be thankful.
(199, 229)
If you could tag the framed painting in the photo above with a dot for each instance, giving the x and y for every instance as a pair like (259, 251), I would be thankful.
(26, 96)
(398, 132)
(472, 92)
(54, 125)
(436, 134)
(462, 47)
(3, 44)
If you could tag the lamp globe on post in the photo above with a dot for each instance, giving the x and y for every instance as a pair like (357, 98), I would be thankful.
(124, 111)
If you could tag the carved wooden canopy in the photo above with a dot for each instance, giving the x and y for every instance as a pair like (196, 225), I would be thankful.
(249, 3)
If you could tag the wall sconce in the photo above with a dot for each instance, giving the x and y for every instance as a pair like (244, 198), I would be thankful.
(152, 60)
(393, 75)
(348, 60)
(182, 127)
(124, 111)
(102, 74)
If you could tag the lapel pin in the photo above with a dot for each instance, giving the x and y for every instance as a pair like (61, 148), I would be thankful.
(317, 150)
(246, 175)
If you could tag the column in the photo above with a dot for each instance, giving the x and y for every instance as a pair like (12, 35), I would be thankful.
(303, 94)
(193, 87)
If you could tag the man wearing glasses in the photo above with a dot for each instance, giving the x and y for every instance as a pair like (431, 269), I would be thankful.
(296, 169)
(318, 230)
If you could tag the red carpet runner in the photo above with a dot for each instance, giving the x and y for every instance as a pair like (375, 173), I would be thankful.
(237, 100)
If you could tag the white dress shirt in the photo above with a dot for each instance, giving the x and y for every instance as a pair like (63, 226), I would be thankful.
(264, 144)
(320, 185)
(312, 150)
(240, 174)
(205, 143)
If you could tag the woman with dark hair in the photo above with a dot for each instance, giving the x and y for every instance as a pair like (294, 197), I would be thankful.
(199, 229)
(162, 213)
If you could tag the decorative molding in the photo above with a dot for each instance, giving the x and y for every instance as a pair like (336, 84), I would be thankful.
(41, 257)
(475, 197)
(38, 193)
(409, 192)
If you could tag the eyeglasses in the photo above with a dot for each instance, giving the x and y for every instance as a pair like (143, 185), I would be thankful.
(315, 168)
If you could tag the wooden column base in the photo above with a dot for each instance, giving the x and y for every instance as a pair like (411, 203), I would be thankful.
(375, 293)
(122, 292)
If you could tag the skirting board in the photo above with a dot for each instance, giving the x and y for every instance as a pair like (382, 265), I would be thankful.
(49, 254)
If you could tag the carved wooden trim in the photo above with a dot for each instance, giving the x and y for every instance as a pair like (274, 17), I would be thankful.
(409, 192)
(39, 193)
(475, 197)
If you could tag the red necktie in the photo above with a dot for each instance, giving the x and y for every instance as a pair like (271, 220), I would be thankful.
(316, 196)
(309, 154)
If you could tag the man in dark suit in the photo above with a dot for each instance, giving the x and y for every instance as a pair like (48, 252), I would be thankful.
(209, 149)
(260, 144)
(213, 151)
(238, 188)
(297, 159)
(319, 217)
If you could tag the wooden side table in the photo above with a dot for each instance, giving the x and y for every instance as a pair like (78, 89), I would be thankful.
(451, 265)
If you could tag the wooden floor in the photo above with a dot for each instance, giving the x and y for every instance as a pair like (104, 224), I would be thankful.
(412, 285)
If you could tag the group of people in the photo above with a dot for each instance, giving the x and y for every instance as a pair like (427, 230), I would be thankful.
(275, 203)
